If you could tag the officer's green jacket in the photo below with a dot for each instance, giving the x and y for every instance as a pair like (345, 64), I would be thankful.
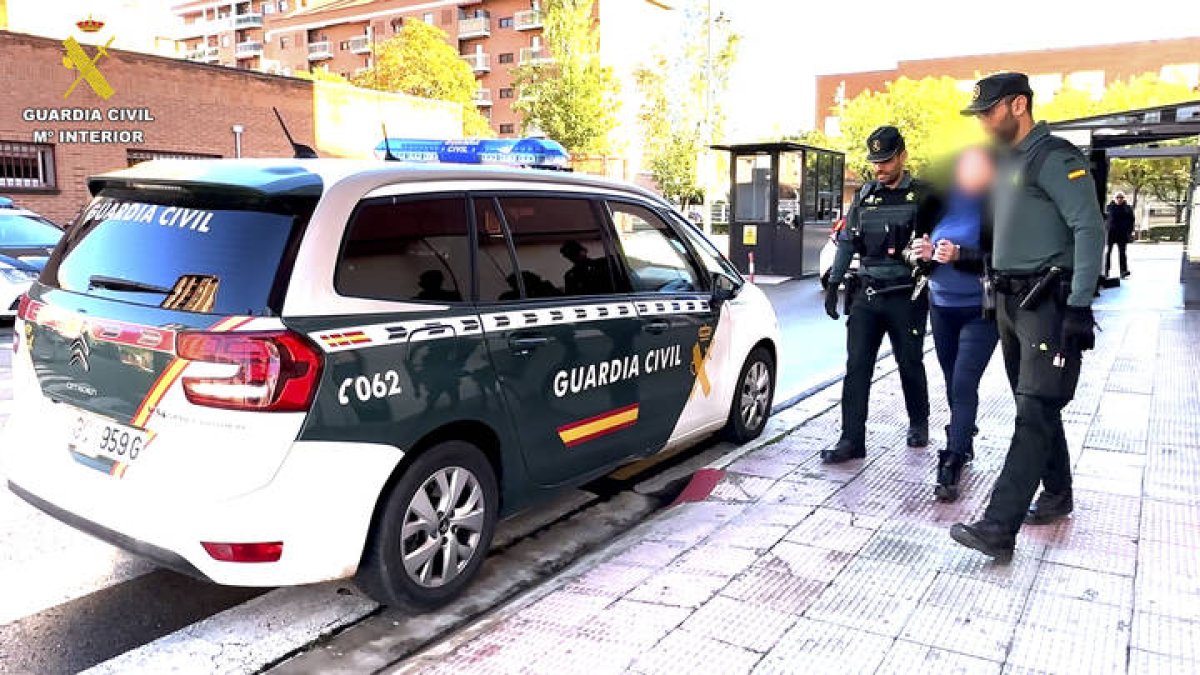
(1051, 219)
(910, 191)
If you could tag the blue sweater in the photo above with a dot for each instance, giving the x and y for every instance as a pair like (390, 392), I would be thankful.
(950, 286)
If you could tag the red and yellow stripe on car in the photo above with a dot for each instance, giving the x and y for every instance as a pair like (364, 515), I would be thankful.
(601, 425)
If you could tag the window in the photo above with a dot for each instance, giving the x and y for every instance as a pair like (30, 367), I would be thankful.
(506, 92)
(507, 129)
(407, 250)
(268, 8)
(283, 5)
(428, 18)
(560, 248)
(713, 261)
(225, 40)
(506, 22)
(397, 24)
(658, 260)
(21, 230)
(506, 58)
(138, 156)
(27, 165)
(285, 42)
(496, 269)
(344, 45)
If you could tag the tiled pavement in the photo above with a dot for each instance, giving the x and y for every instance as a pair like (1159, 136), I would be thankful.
(792, 566)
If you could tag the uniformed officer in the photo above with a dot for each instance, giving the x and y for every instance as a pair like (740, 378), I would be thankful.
(883, 219)
(1047, 248)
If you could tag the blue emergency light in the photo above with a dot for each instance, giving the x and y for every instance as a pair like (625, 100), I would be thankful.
(530, 152)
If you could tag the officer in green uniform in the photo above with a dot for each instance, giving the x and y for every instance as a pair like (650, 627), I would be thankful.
(886, 215)
(1047, 249)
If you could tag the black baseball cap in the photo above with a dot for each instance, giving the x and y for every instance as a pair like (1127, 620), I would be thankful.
(884, 143)
(994, 88)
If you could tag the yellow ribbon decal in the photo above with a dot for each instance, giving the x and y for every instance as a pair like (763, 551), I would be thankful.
(698, 369)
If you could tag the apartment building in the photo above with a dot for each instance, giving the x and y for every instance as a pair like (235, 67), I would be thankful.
(1088, 68)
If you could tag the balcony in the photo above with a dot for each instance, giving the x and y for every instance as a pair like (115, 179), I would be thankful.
(479, 62)
(535, 55)
(475, 27)
(530, 19)
(201, 28)
(361, 44)
(319, 51)
(249, 50)
(483, 98)
(248, 20)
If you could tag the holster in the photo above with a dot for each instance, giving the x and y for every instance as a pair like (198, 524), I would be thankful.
(1047, 283)
(989, 292)
(853, 283)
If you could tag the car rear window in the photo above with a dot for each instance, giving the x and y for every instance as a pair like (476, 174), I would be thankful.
(20, 230)
(186, 252)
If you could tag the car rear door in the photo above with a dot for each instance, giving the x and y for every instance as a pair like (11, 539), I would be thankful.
(561, 333)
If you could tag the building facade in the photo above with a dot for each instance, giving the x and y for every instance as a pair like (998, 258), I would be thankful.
(1090, 69)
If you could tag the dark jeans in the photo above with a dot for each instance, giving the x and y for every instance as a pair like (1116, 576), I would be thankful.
(1038, 453)
(903, 321)
(1124, 260)
(965, 342)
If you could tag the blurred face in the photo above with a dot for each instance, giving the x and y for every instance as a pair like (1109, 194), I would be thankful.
(1000, 121)
(1120, 199)
(891, 171)
(973, 172)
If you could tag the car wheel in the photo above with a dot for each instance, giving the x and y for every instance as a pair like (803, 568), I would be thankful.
(433, 530)
(752, 399)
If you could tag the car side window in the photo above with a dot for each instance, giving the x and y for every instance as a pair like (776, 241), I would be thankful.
(658, 259)
(560, 248)
(407, 250)
(496, 269)
(713, 261)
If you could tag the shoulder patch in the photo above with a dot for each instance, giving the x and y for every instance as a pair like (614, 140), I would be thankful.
(1076, 174)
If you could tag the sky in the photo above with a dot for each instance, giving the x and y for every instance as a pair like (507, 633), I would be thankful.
(786, 43)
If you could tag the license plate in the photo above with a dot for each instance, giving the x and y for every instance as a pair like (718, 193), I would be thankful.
(104, 445)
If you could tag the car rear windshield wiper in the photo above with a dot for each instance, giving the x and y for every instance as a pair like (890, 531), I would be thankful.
(116, 284)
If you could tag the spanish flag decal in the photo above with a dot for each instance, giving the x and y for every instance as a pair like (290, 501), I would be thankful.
(1077, 173)
(601, 425)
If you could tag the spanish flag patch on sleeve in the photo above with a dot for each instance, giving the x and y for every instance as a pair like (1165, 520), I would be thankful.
(1077, 173)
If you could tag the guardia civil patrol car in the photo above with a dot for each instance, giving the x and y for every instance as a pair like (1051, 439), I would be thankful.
(271, 372)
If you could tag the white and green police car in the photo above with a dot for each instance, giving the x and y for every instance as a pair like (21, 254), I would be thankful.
(271, 372)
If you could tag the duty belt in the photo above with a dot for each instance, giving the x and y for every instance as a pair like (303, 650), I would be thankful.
(1019, 283)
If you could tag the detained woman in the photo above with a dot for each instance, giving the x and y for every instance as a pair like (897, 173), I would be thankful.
(963, 336)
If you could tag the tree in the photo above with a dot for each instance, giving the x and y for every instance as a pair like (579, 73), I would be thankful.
(419, 61)
(680, 110)
(1135, 175)
(569, 96)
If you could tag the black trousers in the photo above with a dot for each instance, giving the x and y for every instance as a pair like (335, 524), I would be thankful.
(903, 321)
(1123, 258)
(1030, 341)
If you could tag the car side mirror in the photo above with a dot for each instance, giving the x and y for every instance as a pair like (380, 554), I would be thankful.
(724, 288)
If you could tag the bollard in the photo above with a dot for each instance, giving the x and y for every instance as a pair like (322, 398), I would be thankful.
(751, 254)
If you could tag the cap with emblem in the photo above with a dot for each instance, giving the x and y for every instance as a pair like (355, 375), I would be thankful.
(992, 89)
(884, 143)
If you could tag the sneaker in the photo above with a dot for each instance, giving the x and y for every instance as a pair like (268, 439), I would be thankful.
(950, 466)
(844, 451)
(986, 537)
(918, 435)
(1049, 508)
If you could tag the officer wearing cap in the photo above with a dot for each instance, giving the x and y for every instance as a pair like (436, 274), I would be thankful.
(1047, 247)
(884, 218)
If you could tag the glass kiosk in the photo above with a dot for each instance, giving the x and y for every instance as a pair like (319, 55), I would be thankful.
(783, 199)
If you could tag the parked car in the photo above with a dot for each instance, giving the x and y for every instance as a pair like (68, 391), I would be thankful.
(26, 240)
(270, 372)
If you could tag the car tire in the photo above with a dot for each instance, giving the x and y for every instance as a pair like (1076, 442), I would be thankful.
(405, 527)
(752, 397)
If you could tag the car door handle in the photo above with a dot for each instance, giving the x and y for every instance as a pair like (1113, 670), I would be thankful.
(657, 326)
(525, 344)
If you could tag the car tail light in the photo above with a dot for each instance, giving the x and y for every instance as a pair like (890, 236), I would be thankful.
(261, 552)
(272, 371)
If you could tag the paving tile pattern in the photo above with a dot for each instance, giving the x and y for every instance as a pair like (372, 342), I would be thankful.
(792, 566)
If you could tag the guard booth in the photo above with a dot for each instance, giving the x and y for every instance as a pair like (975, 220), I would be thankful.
(783, 200)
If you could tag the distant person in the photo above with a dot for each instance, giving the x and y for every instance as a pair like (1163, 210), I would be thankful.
(432, 284)
(1048, 242)
(964, 336)
(587, 276)
(1119, 218)
(886, 215)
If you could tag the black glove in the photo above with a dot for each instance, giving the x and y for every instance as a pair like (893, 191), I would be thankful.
(831, 300)
(1077, 330)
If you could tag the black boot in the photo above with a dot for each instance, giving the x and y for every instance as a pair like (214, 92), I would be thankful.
(918, 434)
(1048, 508)
(987, 537)
(950, 466)
(844, 451)
(969, 456)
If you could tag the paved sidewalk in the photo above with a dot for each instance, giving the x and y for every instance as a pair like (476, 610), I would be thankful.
(792, 566)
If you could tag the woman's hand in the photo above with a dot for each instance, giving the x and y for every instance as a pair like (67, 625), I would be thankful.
(922, 249)
(947, 251)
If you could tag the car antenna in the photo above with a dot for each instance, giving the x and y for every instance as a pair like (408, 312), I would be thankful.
(387, 147)
(299, 150)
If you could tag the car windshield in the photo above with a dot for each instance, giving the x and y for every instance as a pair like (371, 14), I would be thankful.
(22, 230)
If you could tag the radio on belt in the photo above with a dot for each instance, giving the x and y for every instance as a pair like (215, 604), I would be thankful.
(540, 153)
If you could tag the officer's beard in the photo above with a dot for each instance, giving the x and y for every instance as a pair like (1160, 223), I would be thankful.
(1006, 130)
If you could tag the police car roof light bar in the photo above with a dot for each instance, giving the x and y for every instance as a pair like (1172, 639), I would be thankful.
(299, 150)
(531, 153)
